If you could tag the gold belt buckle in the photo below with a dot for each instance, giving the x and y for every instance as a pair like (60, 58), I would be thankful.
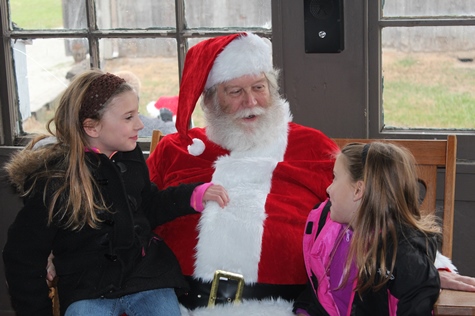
(214, 286)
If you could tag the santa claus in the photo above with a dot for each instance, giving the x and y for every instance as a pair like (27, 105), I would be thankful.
(275, 172)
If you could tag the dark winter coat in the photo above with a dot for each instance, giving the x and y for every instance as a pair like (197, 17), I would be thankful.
(413, 288)
(121, 257)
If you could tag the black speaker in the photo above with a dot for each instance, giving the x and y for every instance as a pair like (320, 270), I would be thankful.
(323, 26)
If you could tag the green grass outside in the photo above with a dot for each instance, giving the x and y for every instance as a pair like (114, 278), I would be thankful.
(427, 106)
(424, 90)
(36, 14)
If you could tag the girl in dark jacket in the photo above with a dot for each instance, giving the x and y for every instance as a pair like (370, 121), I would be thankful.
(89, 202)
(369, 250)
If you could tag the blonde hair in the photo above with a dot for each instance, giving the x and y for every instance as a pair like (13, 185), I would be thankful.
(390, 201)
(76, 200)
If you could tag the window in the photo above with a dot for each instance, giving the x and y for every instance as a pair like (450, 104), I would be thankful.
(422, 55)
(46, 43)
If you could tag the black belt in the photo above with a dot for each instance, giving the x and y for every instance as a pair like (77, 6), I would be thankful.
(198, 295)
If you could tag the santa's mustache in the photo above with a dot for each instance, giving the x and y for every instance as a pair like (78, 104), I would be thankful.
(248, 113)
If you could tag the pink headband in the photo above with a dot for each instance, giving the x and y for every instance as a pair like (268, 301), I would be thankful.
(97, 94)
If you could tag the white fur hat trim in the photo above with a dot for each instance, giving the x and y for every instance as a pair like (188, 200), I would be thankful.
(442, 262)
(197, 148)
(246, 55)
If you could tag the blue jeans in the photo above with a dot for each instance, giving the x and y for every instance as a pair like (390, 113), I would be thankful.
(154, 302)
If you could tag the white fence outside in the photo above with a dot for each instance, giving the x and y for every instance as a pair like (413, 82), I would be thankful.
(429, 39)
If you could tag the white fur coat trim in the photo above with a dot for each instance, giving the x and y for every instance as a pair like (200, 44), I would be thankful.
(277, 307)
(230, 239)
(442, 261)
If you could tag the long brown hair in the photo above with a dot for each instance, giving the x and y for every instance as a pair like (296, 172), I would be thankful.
(390, 201)
(75, 202)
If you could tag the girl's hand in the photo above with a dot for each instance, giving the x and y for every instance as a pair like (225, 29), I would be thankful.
(50, 270)
(218, 194)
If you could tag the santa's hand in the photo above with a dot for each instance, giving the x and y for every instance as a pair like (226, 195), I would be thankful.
(454, 281)
(216, 193)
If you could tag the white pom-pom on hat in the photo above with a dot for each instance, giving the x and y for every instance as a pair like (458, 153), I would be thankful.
(197, 148)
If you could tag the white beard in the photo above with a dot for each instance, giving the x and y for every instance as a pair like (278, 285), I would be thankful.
(272, 121)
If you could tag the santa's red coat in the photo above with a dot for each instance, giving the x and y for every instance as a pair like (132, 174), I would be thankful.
(298, 183)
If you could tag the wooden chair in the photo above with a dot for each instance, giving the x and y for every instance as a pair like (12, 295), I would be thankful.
(430, 155)
(156, 137)
(53, 295)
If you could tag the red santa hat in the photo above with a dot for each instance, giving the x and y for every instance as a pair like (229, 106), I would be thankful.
(215, 61)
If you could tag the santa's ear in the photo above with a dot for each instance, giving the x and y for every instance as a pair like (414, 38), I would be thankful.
(91, 127)
(359, 190)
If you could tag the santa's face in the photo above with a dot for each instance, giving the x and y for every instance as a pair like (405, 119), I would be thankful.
(243, 114)
(244, 98)
(344, 193)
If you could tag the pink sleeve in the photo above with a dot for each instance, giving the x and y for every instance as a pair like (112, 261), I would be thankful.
(196, 200)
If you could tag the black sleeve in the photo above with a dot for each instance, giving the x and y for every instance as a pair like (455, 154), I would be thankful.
(161, 206)
(168, 204)
(29, 243)
(305, 299)
(309, 302)
(417, 284)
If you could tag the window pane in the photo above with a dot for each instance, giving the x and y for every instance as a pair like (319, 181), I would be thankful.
(224, 13)
(151, 66)
(48, 14)
(135, 14)
(428, 77)
(44, 69)
(74, 13)
(428, 8)
(41, 69)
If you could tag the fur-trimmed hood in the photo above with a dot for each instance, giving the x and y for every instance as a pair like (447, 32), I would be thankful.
(38, 155)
